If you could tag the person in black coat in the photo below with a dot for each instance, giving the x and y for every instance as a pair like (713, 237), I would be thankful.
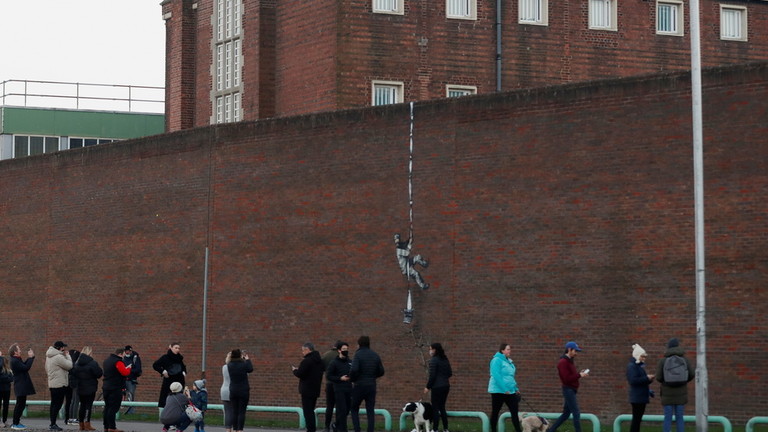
(239, 367)
(112, 385)
(172, 368)
(22, 383)
(6, 379)
(366, 368)
(338, 374)
(639, 386)
(87, 373)
(310, 374)
(438, 383)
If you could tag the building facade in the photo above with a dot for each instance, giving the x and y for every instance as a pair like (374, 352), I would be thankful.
(231, 60)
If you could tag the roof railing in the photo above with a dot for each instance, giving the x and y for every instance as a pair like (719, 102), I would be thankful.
(82, 96)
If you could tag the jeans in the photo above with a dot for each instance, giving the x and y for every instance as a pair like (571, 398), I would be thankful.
(365, 393)
(182, 422)
(227, 414)
(439, 398)
(239, 406)
(677, 410)
(570, 406)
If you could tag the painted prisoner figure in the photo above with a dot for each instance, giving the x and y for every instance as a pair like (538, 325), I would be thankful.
(407, 263)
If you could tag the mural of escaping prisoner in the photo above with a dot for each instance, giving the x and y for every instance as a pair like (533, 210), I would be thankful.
(407, 263)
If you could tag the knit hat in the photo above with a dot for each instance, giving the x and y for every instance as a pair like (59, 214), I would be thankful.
(200, 384)
(673, 343)
(637, 352)
(176, 387)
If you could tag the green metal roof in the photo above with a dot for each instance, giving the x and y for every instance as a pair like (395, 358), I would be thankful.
(92, 124)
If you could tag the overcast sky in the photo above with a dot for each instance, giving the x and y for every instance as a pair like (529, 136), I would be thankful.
(87, 41)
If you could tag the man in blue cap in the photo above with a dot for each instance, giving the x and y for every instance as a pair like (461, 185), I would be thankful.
(569, 379)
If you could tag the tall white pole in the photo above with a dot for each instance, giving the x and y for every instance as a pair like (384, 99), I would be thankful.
(702, 395)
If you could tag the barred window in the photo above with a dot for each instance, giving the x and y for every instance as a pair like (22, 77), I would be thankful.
(227, 61)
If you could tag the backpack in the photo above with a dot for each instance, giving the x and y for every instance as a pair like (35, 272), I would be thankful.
(675, 371)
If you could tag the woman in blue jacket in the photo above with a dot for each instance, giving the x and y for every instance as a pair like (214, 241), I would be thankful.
(639, 381)
(503, 387)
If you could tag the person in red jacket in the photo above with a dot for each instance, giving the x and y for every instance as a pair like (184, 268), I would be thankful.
(569, 379)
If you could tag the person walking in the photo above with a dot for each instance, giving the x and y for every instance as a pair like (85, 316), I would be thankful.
(366, 369)
(569, 380)
(172, 369)
(503, 387)
(438, 383)
(330, 398)
(87, 372)
(239, 389)
(115, 372)
(338, 374)
(225, 394)
(6, 379)
(22, 382)
(674, 372)
(174, 411)
(639, 386)
(57, 366)
(310, 374)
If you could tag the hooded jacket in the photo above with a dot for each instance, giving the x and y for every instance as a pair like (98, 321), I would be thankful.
(674, 395)
(87, 371)
(310, 374)
(502, 375)
(57, 365)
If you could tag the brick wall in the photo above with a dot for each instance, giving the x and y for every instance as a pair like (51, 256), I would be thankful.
(547, 214)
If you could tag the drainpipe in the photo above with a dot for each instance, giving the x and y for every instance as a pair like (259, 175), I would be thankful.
(498, 45)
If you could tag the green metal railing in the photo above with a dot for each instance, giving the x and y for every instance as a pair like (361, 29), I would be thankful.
(660, 418)
(584, 416)
(477, 414)
(382, 412)
(753, 421)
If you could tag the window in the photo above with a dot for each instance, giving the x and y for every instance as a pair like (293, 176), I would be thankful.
(227, 54)
(532, 12)
(602, 14)
(457, 90)
(733, 23)
(77, 142)
(386, 93)
(26, 145)
(388, 6)
(461, 9)
(669, 18)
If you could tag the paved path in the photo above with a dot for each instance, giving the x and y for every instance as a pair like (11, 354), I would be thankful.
(41, 424)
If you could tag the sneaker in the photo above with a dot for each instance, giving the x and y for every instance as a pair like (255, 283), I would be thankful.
(54, 427)
(72, 422)
(18, 427)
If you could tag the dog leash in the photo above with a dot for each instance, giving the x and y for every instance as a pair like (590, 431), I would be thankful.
(543, 420)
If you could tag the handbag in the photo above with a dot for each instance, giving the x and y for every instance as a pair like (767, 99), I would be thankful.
(193, 412)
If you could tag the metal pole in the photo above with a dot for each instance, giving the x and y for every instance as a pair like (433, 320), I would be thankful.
(498, 45)
(205, 310)
(702, 401)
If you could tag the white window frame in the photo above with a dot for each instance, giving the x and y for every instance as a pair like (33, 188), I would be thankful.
(677, 20)
(392, 7)
(397, 89)
(726, 9)
(601, 11)
(467, 90)
(28, 144)
(461, 9)
(533, 12)
(227, 61)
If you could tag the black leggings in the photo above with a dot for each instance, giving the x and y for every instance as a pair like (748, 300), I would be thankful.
(18, 409)
(5, 399)
(638, 409)
(86, 407)
(512, 401)
(439, 398)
